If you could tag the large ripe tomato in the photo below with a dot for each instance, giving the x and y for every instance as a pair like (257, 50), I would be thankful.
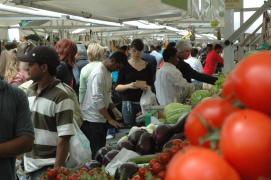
(213, 111)
(252, 81)
(228, 89)
(246, 143)
(197, 163)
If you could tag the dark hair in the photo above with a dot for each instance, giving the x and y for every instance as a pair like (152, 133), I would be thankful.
(137, 44)
(158, 48)
(119, 57)
(171, 44)
(10, 45)
(169, 53)
(209, 46)
(194, 52)
(218, 46)
(124, 48)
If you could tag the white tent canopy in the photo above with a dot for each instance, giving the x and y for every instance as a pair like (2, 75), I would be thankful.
(129, 16)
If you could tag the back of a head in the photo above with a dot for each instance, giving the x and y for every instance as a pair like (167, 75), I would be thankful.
(171, 44)
(218, 46)
(194, 52)
(66, 50)
(124, 48)
(10, 45)
(158, 47)
(209, 46)
(169, 53)
(183, 46)
(137, 44)
(96, 52)
(119, 57)
(81, 50)
(146, 48)
(8, 65)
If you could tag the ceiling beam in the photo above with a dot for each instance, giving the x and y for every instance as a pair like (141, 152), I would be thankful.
(151, 17)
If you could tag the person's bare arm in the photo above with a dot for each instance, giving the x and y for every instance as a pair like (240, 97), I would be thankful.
(124, 87)
(109, 119)
(19, 145)
(62, 150)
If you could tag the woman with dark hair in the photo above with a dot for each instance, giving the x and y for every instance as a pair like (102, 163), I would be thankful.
(133, 79)
(66, 50)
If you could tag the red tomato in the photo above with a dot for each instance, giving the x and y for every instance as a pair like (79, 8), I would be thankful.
(228, 89)
(252, 81)
(197, 163)
(246, 143)
(213, 111)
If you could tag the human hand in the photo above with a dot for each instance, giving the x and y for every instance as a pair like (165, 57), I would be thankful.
(115, 124)
(132, 85)
(117, 114)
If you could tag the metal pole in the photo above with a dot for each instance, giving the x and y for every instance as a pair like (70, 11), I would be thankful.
(228, 50)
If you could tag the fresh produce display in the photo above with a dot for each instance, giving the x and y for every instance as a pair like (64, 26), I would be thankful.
(126, 170)
(246, 137)
(174, 111)
(250, 82)
(145, 144)
(228, 137)
(101, 153)
(81, 174)
(158, 165)
(219, 82)
(109, 156)
(198, 95)
(207, 117)
(199, 163)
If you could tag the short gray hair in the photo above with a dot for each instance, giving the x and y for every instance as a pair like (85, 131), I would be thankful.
(183, 45)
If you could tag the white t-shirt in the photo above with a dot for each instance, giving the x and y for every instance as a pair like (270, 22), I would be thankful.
(168, 84)
(98, 94)
(195, 64)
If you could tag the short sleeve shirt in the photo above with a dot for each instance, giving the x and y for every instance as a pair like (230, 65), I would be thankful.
(15, 121)
(52, 116)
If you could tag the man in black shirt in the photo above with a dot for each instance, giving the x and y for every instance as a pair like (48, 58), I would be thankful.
(184, 50)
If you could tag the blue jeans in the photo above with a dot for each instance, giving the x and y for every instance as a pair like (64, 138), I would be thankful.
(129, 111)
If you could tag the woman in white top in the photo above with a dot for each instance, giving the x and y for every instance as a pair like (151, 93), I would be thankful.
(96, 53)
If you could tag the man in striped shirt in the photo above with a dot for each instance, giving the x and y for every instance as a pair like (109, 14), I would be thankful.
(51, 113)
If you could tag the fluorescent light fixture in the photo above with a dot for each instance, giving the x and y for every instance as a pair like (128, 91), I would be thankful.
(179, 31)
(94, 21)
(15, 26)
(143, 24)
(76, 31)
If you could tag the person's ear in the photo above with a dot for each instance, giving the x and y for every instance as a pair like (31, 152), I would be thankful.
(44, 68)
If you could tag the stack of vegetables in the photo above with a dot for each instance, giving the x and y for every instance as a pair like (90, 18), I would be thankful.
(230, 135)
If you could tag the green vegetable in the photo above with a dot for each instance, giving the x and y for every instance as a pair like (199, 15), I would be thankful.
(142, 159)
(198, 95)
(219, 82)
(174, 111)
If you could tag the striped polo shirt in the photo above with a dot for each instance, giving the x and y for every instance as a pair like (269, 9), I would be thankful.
(52, 116)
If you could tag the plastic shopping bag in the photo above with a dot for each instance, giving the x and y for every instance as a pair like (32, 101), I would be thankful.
(148, 98)
(80, 151)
